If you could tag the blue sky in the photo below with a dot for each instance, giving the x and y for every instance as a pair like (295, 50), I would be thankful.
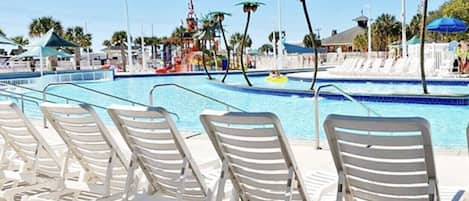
(103, 17)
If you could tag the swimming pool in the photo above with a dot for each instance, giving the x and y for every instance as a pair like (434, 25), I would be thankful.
(296, 114)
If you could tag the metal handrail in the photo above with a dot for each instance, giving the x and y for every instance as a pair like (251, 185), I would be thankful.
(150, 95)
(341, 92)
(44, 90)
(21, 99)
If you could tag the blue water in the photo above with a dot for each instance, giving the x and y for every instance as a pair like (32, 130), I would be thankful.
(368, 87)
(296, 114)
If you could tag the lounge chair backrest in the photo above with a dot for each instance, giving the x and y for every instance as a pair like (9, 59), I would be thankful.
(377, 63)
(90, 143)
(382, 158)
(255, 154)
(160, 150)
(26, 141)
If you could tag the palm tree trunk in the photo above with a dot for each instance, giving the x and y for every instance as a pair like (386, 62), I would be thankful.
(242, 49)
(203, 60)
(422, 45)
(311, 35)
(227, 50)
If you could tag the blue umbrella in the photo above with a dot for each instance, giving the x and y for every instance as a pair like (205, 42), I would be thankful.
(447, 25)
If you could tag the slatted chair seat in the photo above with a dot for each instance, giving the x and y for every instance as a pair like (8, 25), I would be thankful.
(41, 169)
(91, 144)
(160, 151)
(381, 158)
(257, 158)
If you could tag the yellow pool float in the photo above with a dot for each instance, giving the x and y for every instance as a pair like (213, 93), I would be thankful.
(280, 79)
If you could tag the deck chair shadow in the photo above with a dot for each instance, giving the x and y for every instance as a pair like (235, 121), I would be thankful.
(40, 166)
(161, 152)
(381, 158)
(90, 143)
(258, 160)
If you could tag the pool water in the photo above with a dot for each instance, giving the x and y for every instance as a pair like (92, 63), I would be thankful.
(296, 114)
(359, 87)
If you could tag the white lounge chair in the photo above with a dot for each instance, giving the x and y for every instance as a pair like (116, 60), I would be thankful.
(383, 158)
(91, 144)
(41, 167)
(375, 67)
(257, 157)
(387, 68)
(160, 151)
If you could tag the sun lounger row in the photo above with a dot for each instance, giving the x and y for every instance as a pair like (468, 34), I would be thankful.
(403, 67)
(257, 162)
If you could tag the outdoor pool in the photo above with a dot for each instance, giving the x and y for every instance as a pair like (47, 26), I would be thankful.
(296, 114)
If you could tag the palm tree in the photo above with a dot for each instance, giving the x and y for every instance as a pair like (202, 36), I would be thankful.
(414, 26)
(120, 38)
(235, 39)
(42, 25)
(204, 34)
(154, 42)
(422, 45)
(107, 44)
(275, 36)
(219, 17)
(20, 40)
(311, 33)
(248, 7)
(308, 42)
(387, 29)
(266, 48)
(78, 36)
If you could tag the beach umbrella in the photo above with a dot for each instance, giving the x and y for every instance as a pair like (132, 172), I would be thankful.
(6, 41)
(52, 39)
(447, 25)
(43, 52)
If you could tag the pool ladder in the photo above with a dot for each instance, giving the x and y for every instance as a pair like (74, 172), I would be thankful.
(228, 106)
(344, 94)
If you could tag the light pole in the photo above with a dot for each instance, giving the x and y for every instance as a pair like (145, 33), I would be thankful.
(369, 30)
(129, 42)
(143, 51)
(280, 37)
(404, 34)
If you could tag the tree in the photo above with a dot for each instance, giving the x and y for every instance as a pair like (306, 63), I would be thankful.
(154, 42)
(248, 7)
(422, 45)
(275, 36)
(311, 33)
(360, 42)
(385, 29)
(206, 34)
(119, 38)
(308, 42)
(236, 42)
(107, 43)
(219, 17)
(20, 40)
(414, 26)
(266, 49)
(42, 25)
(78, 36)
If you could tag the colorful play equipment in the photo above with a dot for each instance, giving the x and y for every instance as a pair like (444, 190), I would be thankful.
(278, 79)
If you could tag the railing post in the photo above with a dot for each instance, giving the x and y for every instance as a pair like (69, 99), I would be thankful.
(316, 119)
(44, 121)
(22, 103)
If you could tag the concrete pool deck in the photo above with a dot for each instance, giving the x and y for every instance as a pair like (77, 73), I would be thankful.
(452, 165)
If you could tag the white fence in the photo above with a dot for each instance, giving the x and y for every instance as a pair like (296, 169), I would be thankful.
(40, 82)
